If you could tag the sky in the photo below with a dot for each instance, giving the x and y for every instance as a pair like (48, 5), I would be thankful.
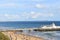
(29, 10)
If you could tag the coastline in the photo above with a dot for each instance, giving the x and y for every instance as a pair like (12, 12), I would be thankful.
(14, 36)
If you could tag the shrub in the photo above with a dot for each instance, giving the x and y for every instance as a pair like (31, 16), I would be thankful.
(3, 37)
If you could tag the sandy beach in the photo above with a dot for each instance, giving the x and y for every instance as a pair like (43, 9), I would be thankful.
(14, 36)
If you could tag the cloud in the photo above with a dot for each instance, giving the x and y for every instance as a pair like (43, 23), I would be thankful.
(15, 5)
(37, 15)
(40, 6)
(7, 5)
(10, 16)
(38, 0)
(25, 16)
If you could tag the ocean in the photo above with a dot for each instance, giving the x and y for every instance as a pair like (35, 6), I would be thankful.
(55, 35)
(27, 24)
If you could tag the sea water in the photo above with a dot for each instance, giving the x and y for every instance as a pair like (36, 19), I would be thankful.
(53, 35)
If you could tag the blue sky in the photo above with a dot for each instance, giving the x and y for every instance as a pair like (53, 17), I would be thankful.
(29, 10)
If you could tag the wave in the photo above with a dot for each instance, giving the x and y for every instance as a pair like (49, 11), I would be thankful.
(4, 28)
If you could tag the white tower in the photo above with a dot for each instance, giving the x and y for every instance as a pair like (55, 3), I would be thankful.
(53, 25)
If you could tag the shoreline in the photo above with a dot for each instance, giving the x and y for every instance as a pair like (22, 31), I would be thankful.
(14, 36)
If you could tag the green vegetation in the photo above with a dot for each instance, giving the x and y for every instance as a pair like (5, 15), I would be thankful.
(3, 37)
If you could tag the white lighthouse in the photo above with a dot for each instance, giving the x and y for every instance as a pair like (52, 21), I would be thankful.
(53, 25)
(50, 26)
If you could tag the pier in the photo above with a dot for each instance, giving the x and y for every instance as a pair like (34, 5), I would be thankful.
(32, 29)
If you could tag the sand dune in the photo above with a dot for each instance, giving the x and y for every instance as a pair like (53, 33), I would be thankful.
(14, 36)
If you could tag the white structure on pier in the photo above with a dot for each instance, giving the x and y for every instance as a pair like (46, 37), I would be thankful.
(50, 26)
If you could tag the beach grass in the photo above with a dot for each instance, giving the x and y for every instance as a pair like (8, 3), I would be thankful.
(3, 37)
